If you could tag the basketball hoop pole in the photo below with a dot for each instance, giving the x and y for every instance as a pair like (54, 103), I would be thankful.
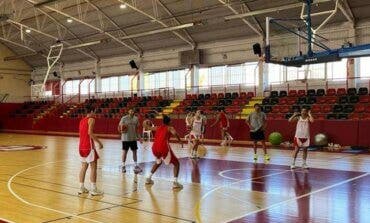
(37, 90)
(53, 57)
(309, 28)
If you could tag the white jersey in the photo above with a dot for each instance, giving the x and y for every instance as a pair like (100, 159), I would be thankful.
(197, 126)
(303, 128)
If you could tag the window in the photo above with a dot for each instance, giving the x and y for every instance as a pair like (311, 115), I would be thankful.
(316, 71)
(124, 83)
(337, 70)
(176, 78)
(71, 87)
(364, 67)
(251, 76)
(203, 77)
(216, 75)
(275, 73)
(246, 73)
(166, 79)
(235, 74)
(85, 86)
(109, 84)
(296, 73)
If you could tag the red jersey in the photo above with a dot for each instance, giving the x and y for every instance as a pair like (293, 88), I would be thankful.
(223, 120)
(160, 144)
(86, 143)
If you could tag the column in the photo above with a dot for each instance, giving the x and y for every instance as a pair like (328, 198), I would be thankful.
(98, 84)
(194, 79)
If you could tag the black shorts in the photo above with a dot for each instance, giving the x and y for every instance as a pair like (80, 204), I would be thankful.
(126, 145)
(258, 135)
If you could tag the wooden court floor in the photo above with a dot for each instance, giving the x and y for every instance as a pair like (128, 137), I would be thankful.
(225, 186)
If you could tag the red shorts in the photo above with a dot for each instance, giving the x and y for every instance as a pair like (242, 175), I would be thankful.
(301, 142)
(223, 127)
(165, 155)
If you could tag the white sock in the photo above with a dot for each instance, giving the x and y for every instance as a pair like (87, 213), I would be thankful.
(175, 180)
(82, 185)
(304, 162)
(136, 163)
(293, 163)
(150, 176)
(93, 186)
(123, 164)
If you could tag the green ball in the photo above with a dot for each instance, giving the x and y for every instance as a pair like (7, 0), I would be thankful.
(275, 138)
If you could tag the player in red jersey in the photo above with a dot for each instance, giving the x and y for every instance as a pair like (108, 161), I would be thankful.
(163, 152)
(88, 153)
(224, 126)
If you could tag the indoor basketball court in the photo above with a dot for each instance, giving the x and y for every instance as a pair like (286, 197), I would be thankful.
(200, 111)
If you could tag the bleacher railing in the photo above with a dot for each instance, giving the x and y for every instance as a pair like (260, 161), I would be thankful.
(221, 89)
(320, 83)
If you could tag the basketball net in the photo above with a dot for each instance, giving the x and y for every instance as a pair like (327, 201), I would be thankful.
(38, 90)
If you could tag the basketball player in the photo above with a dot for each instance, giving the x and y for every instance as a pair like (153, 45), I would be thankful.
(195, 133)
(224, 126)
(163, 152)
(188, 121)
(88, 153)
(204, 119)
(128, 127)
(257, 125)
(302, 135)
(147, 125)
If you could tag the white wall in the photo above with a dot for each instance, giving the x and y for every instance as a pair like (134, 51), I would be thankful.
(14, 77)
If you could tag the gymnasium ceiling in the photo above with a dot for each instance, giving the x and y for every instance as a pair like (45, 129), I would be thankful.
(106, 20)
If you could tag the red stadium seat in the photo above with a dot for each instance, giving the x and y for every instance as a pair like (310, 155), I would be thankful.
(341, 91)
(291, 101)
(250, 95)
(359, 108)
(276, 109)
(331, 92)
(316, 109)
(301, 93)
(284, 109)
(280, 116)
(271, 116)
(283, 101)
(320, 116)
(331, 100)
(243, 95)
(367, 109)
(327, 108)
(292, 93)
(321, 100)
(366, 116)
(365, 99)
(354, 116)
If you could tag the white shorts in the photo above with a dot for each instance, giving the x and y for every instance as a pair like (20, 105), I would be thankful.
(195, 135)
(90, 158)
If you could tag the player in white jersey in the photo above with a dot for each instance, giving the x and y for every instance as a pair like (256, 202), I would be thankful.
(196, 133)
(188, 120)
(302, 135)
(147, 130)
